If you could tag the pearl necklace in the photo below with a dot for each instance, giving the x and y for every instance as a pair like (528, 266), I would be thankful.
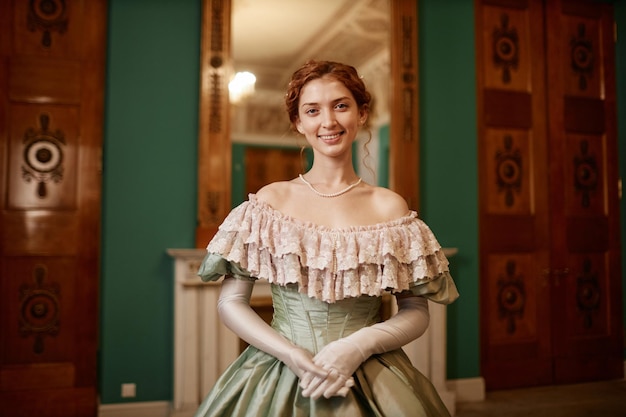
(337, 194)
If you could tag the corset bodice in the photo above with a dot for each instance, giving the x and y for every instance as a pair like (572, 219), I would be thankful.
(311, 323)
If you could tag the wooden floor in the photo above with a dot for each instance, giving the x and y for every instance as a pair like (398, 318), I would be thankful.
(598, 399)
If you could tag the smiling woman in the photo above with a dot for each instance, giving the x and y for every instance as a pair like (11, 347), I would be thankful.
(331, 246)
(345, 22)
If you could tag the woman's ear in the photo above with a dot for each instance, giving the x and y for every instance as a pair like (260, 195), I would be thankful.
(299, 127)
(363, 113)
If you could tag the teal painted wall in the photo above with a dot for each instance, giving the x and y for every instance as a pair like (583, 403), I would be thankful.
(150, 166)
(448, 172)
(238, 172)
(149, 201)
(382, 176)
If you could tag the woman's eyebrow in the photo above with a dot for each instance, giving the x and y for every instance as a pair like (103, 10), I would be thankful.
(332, 101)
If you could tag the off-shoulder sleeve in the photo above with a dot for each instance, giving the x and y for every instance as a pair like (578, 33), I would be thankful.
(440, 289)
(214, 266)
(330, 264)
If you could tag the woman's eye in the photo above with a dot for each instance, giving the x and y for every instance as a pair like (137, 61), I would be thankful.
(311, 111)
(341, 106)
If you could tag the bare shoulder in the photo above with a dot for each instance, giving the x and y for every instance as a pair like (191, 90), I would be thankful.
(274, 193)
(389, 203)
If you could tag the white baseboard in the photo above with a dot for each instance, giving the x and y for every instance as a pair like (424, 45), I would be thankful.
(467, 389)
(139, 409)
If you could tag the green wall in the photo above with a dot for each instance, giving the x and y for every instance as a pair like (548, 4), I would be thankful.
(448, 162)
(149, 187)
(150, 177)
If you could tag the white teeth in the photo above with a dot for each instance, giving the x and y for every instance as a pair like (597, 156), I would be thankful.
(329, 137)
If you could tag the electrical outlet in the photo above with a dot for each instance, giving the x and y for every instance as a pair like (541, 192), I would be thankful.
(129, 390)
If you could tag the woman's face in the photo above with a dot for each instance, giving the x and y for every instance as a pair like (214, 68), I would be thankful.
(328, 116)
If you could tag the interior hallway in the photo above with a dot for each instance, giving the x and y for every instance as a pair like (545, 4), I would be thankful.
(597, 399)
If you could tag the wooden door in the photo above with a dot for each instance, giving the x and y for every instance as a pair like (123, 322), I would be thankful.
(266, 165)
(549, 265)
(584, 201)
(514, 210)
(52, 57)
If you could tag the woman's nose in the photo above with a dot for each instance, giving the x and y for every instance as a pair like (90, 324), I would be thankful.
(328, 119)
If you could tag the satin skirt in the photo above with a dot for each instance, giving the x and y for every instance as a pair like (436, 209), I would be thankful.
(258, 384)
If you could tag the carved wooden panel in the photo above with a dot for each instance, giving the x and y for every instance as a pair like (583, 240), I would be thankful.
(42, 154)
(506, 64)
(508, 169)
(56, 80)
(585, 175)
(41, 299)
(513, 290)
(56, 232)
(582, 70)
(513, 179)
(49, 26)
(550, 266)
(585, 288)
(51, 107)
(588, 343)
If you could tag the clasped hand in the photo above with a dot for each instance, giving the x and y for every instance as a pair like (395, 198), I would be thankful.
(340, 359)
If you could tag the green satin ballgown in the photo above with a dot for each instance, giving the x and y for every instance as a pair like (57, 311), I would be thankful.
(319, 298)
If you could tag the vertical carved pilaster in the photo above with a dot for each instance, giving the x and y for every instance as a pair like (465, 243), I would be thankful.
(214, 159)
(404, 132)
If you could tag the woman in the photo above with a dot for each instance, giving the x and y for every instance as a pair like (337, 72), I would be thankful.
(330, 245)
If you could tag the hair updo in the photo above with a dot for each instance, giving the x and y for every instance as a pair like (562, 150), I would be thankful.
(313, 70)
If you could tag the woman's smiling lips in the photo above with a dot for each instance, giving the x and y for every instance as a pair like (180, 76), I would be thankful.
(330, 138)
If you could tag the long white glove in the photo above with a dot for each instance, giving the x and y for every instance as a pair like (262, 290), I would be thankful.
(345, 355)
(236, 313)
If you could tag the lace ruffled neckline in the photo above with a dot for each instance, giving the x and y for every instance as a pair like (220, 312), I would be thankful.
(328, 263)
